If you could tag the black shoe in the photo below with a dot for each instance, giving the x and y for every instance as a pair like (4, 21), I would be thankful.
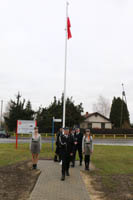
(80, 164)
(87, 168)
(55, 159)
(67, 173)
(72, 165)
(62, 178)
(34, 166)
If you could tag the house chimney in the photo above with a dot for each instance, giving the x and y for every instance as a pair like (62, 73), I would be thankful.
(87, 114)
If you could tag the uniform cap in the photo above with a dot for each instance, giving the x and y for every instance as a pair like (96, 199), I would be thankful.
(66, 128)
(87, 130)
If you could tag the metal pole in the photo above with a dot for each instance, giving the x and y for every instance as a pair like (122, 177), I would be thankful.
(123, 94)
(53, 134)
(64, 102)
(121, 112)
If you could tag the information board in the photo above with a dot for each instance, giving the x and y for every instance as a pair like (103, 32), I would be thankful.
(26, 126)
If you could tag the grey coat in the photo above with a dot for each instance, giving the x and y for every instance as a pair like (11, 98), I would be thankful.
(35, 145)
(87, 145)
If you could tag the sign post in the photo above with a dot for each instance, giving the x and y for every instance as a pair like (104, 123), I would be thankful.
(53, 134)
(25, 127)
(54, 120)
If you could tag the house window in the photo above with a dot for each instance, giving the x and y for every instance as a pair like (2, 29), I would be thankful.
(89, 125)
(102, 125)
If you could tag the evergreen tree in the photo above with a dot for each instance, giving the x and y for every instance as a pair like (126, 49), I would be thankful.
(18, 111)
(28, 112)
(119, 114)
(55, 109)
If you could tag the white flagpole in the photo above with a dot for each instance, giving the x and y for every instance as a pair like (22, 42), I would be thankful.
(64, 102)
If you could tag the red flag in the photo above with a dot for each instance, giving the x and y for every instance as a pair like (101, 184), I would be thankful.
(69, 35)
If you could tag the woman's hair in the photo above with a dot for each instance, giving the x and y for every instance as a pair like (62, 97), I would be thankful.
(35, 127)
(87, 130)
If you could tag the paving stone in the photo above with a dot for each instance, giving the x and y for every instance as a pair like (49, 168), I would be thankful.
(50, 187)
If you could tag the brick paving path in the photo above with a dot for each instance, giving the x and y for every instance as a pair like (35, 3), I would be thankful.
(49, 186)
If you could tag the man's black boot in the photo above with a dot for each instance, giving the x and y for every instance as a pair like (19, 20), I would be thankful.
(73, 164)
(67, 173)
(80, 163)
(63, 178)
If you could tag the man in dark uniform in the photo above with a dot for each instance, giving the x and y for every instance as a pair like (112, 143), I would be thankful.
(58, 148)
(78, 145)
(66, 143)
(72, 132)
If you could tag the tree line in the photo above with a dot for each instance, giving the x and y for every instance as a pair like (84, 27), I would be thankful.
(20, 109)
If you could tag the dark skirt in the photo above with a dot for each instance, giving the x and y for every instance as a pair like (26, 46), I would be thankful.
(35, 147)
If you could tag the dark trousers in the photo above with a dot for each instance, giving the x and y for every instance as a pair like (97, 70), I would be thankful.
(58, 153)
(72, 159)
(87, 161)
(65, 163)
(79, 149)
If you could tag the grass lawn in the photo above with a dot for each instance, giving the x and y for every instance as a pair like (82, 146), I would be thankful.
(114, 166)
(109, 159)
(10, 155)
(113, 159)
(114, 171)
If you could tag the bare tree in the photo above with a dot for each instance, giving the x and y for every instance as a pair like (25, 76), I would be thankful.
(102, 106)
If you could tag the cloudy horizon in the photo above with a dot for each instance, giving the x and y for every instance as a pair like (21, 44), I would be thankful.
(32, 50)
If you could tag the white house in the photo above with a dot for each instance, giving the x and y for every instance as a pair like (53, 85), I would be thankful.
(95, 120)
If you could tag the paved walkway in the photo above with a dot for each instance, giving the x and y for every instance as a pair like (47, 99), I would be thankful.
(49, 186)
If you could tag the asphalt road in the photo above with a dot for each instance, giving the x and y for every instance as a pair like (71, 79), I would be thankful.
(122, 142)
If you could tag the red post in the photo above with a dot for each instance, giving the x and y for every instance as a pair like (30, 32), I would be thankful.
(17, 135)
(35, 122)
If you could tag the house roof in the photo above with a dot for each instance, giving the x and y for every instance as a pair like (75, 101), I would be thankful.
(96, 113)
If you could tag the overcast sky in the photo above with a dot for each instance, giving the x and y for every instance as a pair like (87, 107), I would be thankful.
(32, 48)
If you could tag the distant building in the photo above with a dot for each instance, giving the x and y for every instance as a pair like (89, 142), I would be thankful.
(95, 120)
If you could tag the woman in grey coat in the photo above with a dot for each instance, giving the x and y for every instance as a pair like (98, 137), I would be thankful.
(35, 147)
(87, 148)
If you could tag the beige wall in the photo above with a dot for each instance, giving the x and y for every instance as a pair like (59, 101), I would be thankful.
(84, 125)
(95, 125)
(108, 125)
(96, 119)
(96, 122)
